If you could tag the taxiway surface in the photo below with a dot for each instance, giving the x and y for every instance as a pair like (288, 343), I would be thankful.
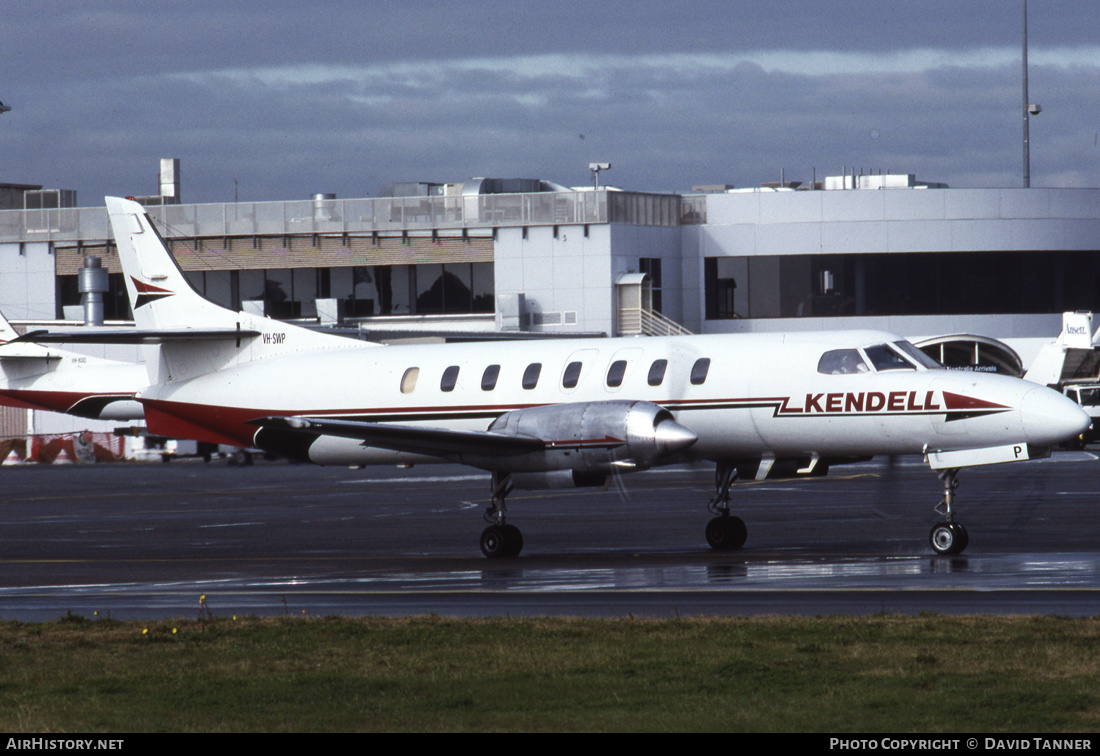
(145, 541)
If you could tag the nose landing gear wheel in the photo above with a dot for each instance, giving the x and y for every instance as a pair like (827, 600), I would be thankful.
(948, 538)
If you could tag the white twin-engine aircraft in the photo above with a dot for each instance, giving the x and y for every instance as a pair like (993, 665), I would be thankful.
(36, 377)
(570, 412)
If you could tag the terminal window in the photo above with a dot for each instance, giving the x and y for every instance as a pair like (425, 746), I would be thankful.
(960, 283)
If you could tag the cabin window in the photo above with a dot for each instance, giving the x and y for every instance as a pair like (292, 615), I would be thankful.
(571, 376)
(531, 375)
(450, 378)
(489, 378)
(699, 371)
(408, 380)
(615, 373)
(657, 372)
(885, 358)
(842, 362)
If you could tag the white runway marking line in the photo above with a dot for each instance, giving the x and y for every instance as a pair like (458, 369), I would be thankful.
(425, 479)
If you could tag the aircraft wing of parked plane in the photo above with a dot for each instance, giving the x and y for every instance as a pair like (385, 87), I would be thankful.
(35, 377)
(575, 412)
(130, 336)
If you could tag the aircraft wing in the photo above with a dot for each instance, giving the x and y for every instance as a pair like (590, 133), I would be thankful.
(406, 438)
(132, 336)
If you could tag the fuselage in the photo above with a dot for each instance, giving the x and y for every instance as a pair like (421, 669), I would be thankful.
(743, 395)
(62, 381)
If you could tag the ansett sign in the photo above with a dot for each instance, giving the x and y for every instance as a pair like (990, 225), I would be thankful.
(1077, 330)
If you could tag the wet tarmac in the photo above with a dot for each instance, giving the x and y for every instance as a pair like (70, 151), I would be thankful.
(145, 541)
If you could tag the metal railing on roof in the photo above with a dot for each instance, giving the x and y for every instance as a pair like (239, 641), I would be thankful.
(383, 215)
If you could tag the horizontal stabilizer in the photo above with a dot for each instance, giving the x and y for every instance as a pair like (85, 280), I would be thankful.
(404, 438)
(133, 336)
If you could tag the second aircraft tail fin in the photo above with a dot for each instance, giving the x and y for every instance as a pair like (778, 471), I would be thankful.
(163, 299)
(7, 333)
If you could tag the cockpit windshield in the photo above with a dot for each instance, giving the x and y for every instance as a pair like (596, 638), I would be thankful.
(918, 356)
(900, 355)
(885, 358)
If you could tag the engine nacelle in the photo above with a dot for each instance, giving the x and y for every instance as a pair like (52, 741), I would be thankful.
(593, 439)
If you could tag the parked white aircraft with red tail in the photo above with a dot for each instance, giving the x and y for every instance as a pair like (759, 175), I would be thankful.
(37, 377)
(571, 412)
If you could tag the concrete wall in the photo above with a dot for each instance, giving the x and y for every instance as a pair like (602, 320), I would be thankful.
(565, 279)
(568, 280)
(26, 280)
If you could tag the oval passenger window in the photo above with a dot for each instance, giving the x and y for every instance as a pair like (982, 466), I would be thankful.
(571, 376)
(657, 372)
(489, 378)
(699, 371)
(615, 373)
(531, 375)
(450, 378)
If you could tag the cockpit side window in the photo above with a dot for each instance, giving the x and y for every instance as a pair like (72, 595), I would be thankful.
(885, 358)
(842, 362)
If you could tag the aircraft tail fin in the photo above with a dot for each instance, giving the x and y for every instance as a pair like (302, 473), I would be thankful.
(7, 333)
(160, 294)
(163, 300)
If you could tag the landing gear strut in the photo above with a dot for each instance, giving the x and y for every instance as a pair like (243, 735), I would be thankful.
(500, 539)
(948, 537)
(725, 532)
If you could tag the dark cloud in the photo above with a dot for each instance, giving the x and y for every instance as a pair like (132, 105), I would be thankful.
(291, 98)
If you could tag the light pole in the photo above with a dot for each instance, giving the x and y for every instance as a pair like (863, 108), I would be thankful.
(596, 168)
(1029, 110)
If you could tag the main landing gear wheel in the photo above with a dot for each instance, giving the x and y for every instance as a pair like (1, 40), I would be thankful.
(501, 541)
(948, 538)
(726, 532)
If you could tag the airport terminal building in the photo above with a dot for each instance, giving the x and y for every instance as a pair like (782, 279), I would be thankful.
(492, 258)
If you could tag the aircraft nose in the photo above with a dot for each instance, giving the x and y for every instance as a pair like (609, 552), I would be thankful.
(1051, 418)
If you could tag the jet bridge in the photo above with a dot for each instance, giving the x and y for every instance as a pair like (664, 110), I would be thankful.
(979, 354)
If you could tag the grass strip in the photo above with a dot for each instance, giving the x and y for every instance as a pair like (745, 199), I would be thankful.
(880, 673)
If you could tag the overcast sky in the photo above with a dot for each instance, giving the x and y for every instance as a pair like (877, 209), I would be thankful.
(281, 99)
